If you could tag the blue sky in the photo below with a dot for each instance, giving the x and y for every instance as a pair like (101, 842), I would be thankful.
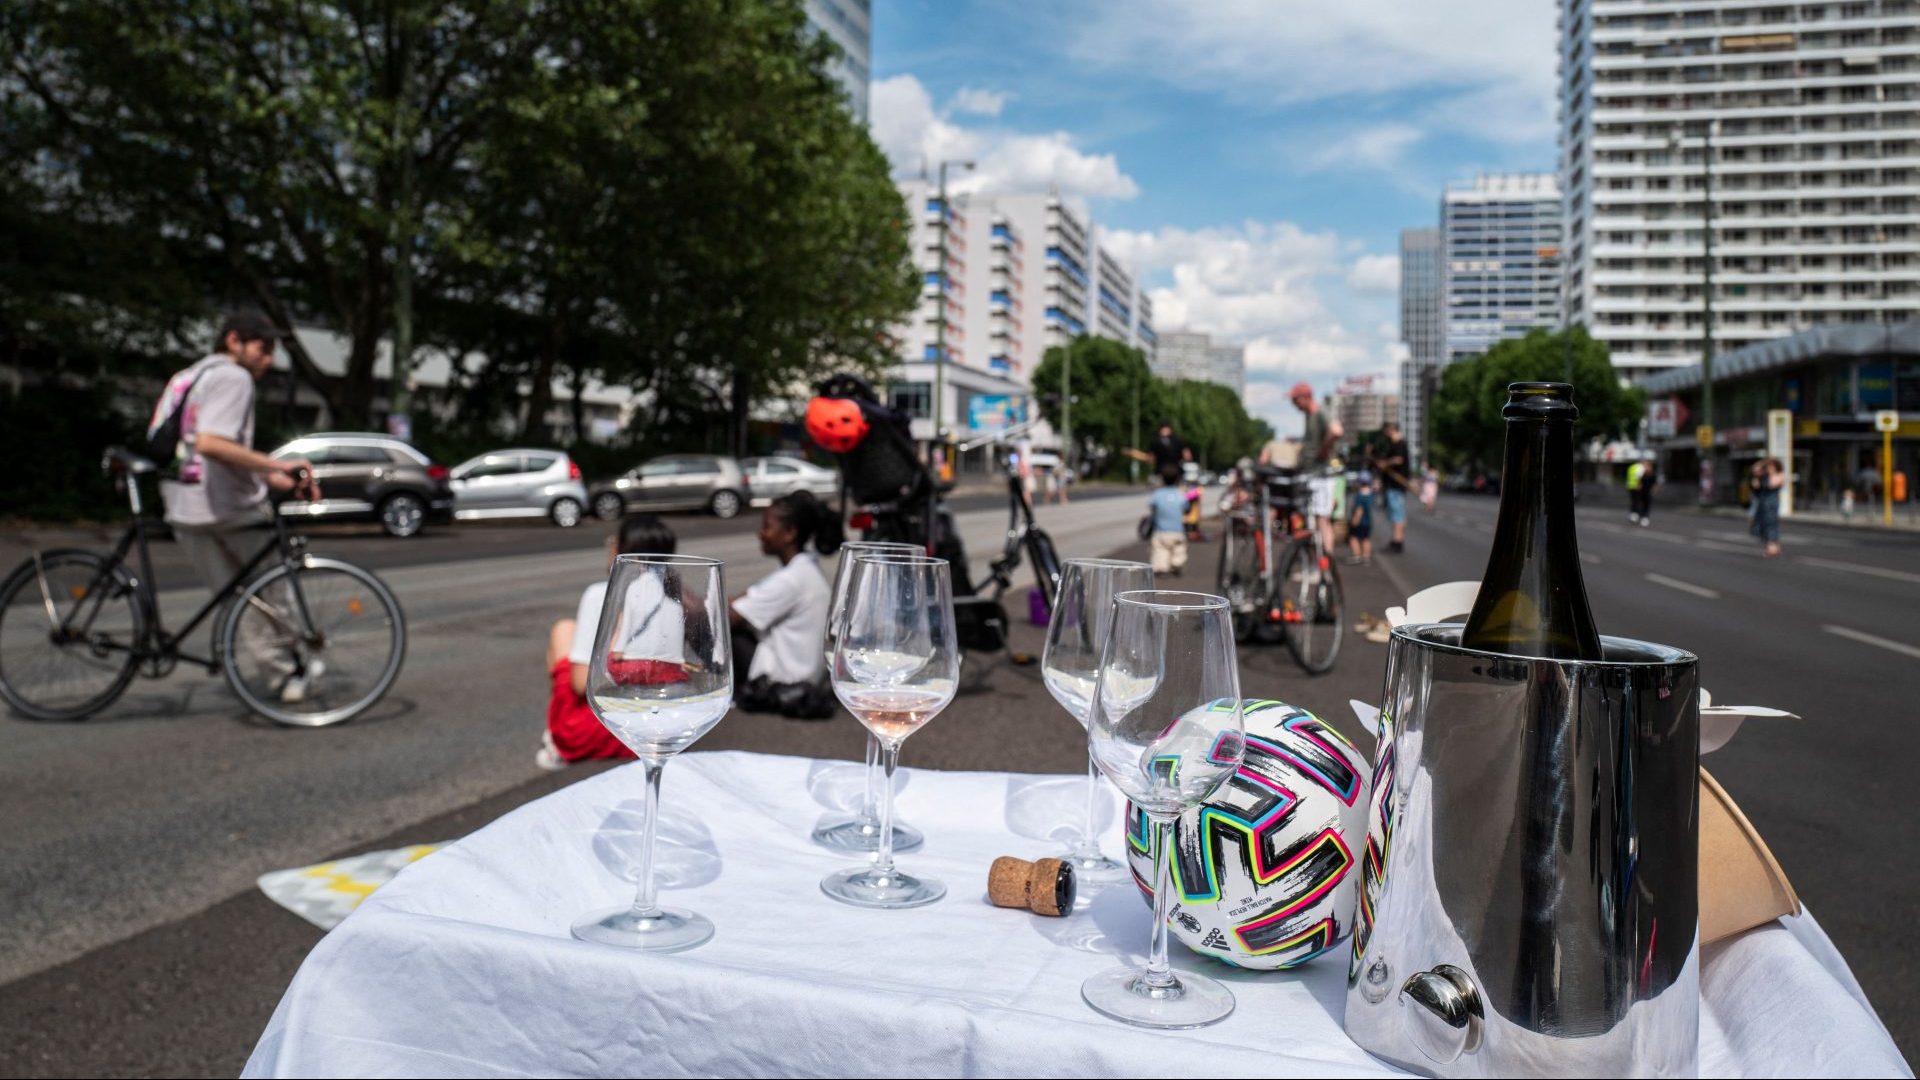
(1255, 160)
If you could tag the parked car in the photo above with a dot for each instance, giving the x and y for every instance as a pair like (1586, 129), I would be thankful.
(370, 477)
(518, 484)
(773, 477)
(675, 482)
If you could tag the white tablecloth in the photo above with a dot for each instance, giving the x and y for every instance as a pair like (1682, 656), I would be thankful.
(463, 965)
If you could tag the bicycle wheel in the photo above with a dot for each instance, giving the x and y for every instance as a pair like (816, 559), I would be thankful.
(314, 645)
(1239, 579)
(68, 627)
(1310, 601)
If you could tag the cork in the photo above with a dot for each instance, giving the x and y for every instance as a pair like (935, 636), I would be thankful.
(1043, 886)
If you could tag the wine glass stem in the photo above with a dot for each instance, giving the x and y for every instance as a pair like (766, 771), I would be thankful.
(644, 903)
(1089, 845)
(1159, 973)
(883, 858)
(870, 810)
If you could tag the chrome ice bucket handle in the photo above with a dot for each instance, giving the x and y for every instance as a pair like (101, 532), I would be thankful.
(1530, 902)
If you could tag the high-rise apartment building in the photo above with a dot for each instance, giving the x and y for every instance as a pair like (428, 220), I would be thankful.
(1018, 276)
(1803, 119)
(1421, 332)
(850, 24)
(1364, 403)
(1500, 260)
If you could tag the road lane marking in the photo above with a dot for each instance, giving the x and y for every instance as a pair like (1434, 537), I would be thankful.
(1589, 558)
(1859, 568)
(1683, 586)
(1870, 639)
(1655, 534)
(1737, 549)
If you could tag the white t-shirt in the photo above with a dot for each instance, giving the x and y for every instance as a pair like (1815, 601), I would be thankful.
(198, 490)
(663, 637)
(789, 610)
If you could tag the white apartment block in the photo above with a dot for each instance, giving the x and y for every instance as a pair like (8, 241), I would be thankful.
(1500, 260)
(850, 24)
(1421, 332)
(1019, 277)
(1807, 114)
(1364, 403)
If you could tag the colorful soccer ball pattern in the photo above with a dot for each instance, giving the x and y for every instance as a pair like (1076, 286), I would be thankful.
(1265, 872)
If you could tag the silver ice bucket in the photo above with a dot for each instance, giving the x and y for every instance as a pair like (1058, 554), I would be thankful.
(1530, 901)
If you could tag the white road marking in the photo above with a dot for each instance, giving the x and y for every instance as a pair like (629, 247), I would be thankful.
(1683, 586)
(1737, 549)
(1871, 639)
(1859, 568)
(1654, 534)
(1590, 558)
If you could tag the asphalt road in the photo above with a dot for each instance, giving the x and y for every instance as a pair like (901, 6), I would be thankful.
(134, 942)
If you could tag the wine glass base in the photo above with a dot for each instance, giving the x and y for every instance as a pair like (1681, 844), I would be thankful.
(1192, 1001)
(667, 930)
(865, 886)
(863, 834)
(1093, 866)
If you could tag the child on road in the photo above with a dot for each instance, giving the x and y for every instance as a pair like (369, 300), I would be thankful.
(1168, 505)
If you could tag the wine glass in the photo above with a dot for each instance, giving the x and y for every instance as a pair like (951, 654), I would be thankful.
(1166, 729)
(661, 677)
(862, 831)
(895, 667)
(1070, 664)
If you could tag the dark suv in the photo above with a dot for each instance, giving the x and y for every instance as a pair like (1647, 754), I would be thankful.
(370, 477)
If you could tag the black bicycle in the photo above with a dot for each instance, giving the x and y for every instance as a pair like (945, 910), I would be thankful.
(1299, 596)
(303, 639)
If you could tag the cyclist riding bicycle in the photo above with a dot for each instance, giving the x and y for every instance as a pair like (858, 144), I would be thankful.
(216, 484)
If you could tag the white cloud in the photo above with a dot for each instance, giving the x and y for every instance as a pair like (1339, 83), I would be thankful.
(1277, 288)
(1487, 66)
(1375, 274)
(978, 102)
(1381, 147)
(916, 137)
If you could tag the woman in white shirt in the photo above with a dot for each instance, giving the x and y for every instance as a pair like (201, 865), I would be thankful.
(573, 733)
(780, 623)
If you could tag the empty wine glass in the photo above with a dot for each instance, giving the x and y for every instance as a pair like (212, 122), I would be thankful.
(862, 831)
(661, 677)
(1070, 664)
(895, 667)
(1166, 729)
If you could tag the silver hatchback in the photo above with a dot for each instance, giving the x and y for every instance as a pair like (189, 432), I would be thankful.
(772, 477)
(519, 484)
(676, 482)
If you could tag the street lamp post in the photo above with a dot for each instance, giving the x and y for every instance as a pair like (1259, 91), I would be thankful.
(1706, 300)
(940, 319)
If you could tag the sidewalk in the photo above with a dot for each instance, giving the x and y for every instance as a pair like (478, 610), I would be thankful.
(1906, 516)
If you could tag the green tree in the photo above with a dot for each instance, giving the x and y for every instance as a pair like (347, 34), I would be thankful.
(1467, 426)
(665, 193)
(1113, 388)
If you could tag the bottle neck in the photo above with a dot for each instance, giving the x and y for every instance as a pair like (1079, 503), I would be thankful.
(1536, 499)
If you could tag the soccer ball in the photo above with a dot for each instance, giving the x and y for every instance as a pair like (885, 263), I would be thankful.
(1265, 872)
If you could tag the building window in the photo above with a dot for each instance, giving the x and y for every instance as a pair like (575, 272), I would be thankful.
(911, 399)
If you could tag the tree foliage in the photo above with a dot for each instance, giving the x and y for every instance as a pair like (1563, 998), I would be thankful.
(663, 193)
(1467, 426)
(1119, 403)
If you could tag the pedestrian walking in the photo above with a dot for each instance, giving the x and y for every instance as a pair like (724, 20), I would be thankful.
(214, 487)
(1168, 537)
(1429, 488)
(1766, 479)
(1391, 468)
(1641, 479)
(1360, 519)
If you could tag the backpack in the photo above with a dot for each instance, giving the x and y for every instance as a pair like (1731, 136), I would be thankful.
(163, 441)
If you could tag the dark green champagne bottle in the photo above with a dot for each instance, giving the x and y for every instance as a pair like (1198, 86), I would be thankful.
(1533, 600)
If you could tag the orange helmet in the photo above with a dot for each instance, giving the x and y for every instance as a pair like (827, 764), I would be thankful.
(837, 424)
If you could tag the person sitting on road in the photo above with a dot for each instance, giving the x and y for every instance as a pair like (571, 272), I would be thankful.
(780, 622)
(1168, 506)
(573, 733)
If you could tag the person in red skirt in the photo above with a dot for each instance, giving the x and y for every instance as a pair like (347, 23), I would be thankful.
(573, 733)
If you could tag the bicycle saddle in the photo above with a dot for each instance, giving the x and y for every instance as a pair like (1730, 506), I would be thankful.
(121, 459)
